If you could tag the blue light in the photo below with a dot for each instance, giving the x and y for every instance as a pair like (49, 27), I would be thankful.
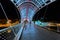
(23, 13)
(37, 22)
(31, 13)
(41, 24)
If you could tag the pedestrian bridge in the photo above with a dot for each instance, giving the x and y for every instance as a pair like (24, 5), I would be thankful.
(28, 30)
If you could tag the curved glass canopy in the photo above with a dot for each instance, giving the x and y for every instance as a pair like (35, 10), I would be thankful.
(27, 11)
(38, 3)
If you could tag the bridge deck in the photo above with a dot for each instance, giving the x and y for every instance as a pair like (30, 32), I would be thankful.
(32, 32)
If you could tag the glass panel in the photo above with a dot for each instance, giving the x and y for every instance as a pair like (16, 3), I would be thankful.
(37, 4)
(31, 13)
(23, 13)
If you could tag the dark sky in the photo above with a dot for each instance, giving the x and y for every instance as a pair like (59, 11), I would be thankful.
(1, 13)
(10, 9)
(52, 12)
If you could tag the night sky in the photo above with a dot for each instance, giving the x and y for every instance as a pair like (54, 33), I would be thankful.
(1, 14)
(51, 12)
(10, 9)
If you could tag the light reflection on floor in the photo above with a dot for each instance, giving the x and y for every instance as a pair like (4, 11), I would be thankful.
(33, 33)
(29, 28)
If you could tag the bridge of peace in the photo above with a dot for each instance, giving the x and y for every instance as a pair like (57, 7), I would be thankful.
(27, 28)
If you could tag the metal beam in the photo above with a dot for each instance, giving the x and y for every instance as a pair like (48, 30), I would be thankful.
(4, 11)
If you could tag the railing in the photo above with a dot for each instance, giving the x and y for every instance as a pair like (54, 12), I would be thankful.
(11, 33)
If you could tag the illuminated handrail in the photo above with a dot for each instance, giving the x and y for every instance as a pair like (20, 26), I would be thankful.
(18, 36)
(13, 30)
(8, 28)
